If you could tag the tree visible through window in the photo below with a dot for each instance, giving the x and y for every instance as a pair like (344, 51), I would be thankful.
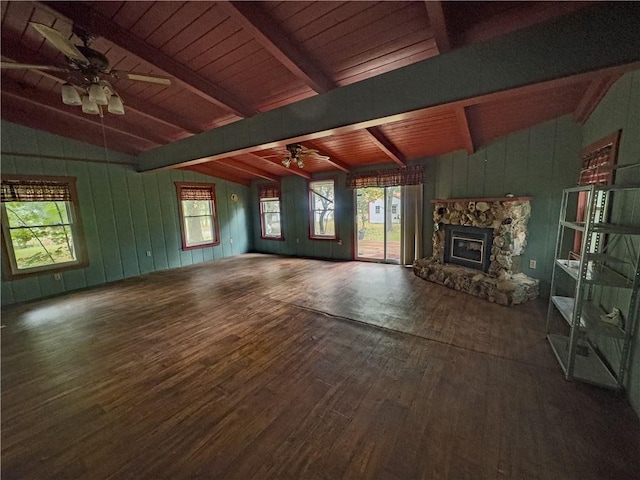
(322, 209)
(198, 216)
(40, 226)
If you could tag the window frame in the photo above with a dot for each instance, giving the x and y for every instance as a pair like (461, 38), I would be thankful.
(77, 231)
(312, 235)
(214, 214)
(263, 235)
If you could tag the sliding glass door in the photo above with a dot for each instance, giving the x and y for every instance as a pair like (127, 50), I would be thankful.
(379, 224)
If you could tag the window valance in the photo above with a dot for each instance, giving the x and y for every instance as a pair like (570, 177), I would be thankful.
(35, 191)
(386, 178)
(195, 193)
(269, 191)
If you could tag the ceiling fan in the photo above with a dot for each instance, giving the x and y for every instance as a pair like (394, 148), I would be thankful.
(296, 153)
(86, 69)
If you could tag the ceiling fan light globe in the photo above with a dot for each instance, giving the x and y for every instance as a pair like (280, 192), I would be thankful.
(70, 95)
(89, 107)
(97, 94)
(115, 105)
(286, 162)
(300, 163)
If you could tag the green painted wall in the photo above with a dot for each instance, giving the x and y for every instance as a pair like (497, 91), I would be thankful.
(295, 221)
(539, 161)
(124, 214)
(620, 109)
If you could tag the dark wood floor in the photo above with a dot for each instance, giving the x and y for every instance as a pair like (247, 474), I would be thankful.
(267, 367)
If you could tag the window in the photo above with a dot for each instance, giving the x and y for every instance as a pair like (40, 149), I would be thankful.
(40, 224)
(377, 208)
(270, 212)
(198, 219)
(394, 209)
(322, 209)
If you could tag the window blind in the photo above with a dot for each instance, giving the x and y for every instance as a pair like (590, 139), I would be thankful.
(269, 191)
(386, 178)
(196, 193)
(35, 191)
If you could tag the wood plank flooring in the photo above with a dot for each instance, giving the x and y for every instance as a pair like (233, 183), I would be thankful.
(267, 367)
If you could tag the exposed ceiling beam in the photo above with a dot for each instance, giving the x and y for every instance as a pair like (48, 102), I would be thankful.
(15, 52)
(387, 146)
(251, 16)
(40, 99)
(208, 169)
(530, 60)
(592, 96)
(253, 19)
(242, 167)
(91, 20)
(465, 130)
(333, 160)
(439, 26)
(294, 171)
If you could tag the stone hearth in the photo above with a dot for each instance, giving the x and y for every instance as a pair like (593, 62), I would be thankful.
(516, 289)
(504, 283)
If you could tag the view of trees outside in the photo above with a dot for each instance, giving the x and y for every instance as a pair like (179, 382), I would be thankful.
(371, 236)
(323, 204)
(198, 223)
(271, 217)
(41, 233)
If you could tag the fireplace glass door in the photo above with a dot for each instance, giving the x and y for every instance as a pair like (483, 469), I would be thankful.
(378, 224)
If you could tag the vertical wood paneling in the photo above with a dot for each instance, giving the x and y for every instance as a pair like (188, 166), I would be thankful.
(105, 220)
(123, 219)
(460, 174)
(95, 272)
(139, 219)
(152, 197)
(169, 213)
(475, 175)
(444, 177)
(495, 164)
(515, 168)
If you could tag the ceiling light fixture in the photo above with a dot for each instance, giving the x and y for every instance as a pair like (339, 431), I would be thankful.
(70, 95)
(295, 155)
(97, 94)
(89, 106)
(115, 105)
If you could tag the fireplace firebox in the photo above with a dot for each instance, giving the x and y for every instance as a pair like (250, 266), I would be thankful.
(468, 246)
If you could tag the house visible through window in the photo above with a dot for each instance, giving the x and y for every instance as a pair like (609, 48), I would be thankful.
(198, 218)
(270, 212)
(322, 209)
(394, 209)
(377, 208)
(41, 227)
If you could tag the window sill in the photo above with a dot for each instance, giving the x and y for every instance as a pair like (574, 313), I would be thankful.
(277, 239)
(325, 239)
(44, 270)
(204, 245)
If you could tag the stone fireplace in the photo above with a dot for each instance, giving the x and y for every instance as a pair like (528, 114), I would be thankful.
(477, 244)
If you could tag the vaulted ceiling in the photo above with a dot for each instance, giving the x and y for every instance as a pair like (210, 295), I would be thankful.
(233, 60)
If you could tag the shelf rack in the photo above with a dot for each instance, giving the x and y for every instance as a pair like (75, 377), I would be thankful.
(578, 352)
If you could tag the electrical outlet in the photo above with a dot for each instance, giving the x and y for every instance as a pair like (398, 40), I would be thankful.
(532, 264)
(57, 276)
(231, 240)
(297, 240)
(339, 242)
(148, 253)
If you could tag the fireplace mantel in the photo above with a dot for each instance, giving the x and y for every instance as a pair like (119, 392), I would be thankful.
(483, 199)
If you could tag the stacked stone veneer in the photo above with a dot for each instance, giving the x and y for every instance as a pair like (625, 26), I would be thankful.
(503, 283)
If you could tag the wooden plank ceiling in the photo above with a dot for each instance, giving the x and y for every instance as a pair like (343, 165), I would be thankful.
(232, 60)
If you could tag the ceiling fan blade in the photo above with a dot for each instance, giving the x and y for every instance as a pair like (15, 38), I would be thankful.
(321, 157)
(141, 77)
(60, 42)
(30, 66)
